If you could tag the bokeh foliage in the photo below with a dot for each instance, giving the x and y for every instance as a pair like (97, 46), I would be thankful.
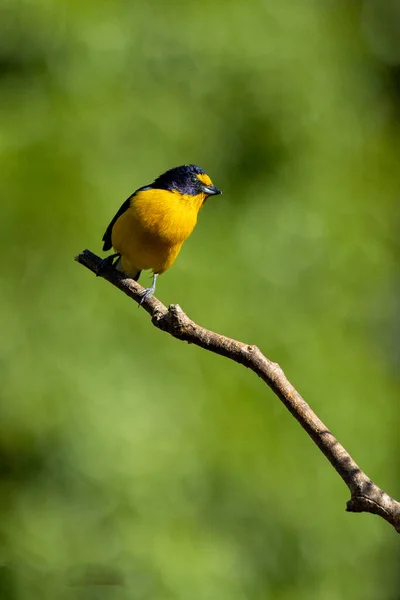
(137, 467)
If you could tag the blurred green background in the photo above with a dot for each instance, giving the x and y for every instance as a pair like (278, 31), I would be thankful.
(134, 466)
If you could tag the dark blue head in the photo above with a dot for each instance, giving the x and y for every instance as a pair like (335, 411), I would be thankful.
(187, 179)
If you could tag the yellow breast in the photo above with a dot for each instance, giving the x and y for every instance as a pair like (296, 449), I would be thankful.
(149, 235)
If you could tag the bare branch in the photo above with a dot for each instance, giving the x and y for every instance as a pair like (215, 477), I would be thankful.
(365, 495)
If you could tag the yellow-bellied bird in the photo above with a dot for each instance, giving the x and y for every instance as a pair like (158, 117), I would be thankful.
(150, 227)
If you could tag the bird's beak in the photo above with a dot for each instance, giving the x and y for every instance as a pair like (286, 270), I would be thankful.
(211, 190)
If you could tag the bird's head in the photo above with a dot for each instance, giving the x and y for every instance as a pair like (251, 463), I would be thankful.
(189, 180)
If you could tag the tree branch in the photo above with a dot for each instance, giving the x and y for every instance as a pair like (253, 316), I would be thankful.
(365, 495)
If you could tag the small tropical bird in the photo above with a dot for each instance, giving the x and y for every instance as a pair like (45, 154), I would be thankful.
(150, 227)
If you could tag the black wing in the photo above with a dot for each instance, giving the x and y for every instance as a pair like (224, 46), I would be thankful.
(107, 236)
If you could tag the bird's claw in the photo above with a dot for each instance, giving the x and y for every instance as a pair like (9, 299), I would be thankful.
(146, 294)
(106, 262)
(148, 291)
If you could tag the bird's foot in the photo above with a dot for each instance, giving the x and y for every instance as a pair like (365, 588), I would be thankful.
(149, 291)
(108, 261)
(146, 294)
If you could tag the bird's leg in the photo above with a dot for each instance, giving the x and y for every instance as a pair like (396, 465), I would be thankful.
(150, 290)
(108, 261)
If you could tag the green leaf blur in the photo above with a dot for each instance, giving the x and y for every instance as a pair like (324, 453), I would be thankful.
(137, 467)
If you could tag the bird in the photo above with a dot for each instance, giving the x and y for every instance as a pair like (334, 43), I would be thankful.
(149, 229)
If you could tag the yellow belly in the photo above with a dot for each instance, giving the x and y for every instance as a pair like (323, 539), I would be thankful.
(150, 234)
